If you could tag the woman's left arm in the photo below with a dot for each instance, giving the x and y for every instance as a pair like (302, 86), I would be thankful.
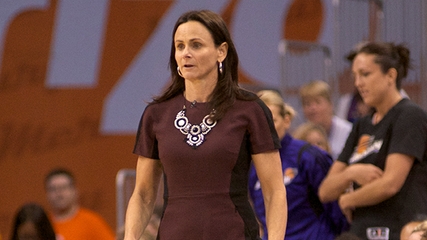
(397, 168)
(269, 170)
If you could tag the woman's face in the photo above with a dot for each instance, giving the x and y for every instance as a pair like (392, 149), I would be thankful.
(27, 231)
(372, 84)
(317, 139)
(281, 123)
(195, 52)
(318, 110)
(61, 193)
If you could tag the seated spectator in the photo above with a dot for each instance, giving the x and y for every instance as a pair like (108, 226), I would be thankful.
(419, 232)
(32, 223)
(304, 167)
(409, 228)
(318, 108)
(69, 219)
(314, 134)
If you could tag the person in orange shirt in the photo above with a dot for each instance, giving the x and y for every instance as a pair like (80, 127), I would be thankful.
(71, 221)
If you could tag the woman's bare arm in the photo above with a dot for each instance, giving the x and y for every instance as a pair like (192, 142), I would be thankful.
(269, 171)
(141, 203)
(340, 177)
(396, 170)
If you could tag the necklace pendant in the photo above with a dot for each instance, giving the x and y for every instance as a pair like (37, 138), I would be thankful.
(195, 133)
(195, 140)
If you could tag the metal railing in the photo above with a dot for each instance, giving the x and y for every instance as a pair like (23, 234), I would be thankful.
(125, 183)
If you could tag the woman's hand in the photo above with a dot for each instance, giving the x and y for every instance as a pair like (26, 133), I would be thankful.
(346, 209)
(363, 173)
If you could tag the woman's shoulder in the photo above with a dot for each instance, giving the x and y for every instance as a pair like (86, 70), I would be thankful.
(248, 98)
(406, 108)
(406, 103)
(250, 106)
(156, 110)
(253, 108)
(246, 94)
(155, 105)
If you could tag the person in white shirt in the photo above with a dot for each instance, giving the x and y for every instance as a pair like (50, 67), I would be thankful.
(318, 108)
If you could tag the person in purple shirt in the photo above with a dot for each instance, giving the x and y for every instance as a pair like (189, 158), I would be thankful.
(304, 166)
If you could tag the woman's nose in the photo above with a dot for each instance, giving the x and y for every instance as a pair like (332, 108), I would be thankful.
(357, 81)
(186, 53)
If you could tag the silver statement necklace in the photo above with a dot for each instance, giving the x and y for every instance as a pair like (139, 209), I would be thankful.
(195, 133)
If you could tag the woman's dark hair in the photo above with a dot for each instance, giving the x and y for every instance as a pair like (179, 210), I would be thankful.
(227, 89)
(388, 55)
(33, 212)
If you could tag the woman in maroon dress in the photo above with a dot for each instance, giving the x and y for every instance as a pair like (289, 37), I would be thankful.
(202, 134)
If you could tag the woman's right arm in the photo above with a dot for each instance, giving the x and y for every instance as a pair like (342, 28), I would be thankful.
(335, 183)
(141, 203)
(340, 176)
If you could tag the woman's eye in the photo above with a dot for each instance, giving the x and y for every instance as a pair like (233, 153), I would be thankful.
(197, 45)
(180, 46)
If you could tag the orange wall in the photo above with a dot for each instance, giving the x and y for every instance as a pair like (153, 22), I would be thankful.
(43, 128)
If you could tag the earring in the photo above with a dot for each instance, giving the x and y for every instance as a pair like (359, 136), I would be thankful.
(179, 72)
(220, 67)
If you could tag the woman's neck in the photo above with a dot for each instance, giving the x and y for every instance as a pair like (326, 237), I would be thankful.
(199, 91)
(386, 105)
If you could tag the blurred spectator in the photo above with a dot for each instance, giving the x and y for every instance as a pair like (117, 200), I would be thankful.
(304, 167)
(69, 219)
(351, 105)
(419, 232)
(318, 108)
(409, 227)
(384, 158)
(314, 134)
(32, 223)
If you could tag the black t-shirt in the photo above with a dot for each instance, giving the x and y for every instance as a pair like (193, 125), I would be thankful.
(402, 130)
